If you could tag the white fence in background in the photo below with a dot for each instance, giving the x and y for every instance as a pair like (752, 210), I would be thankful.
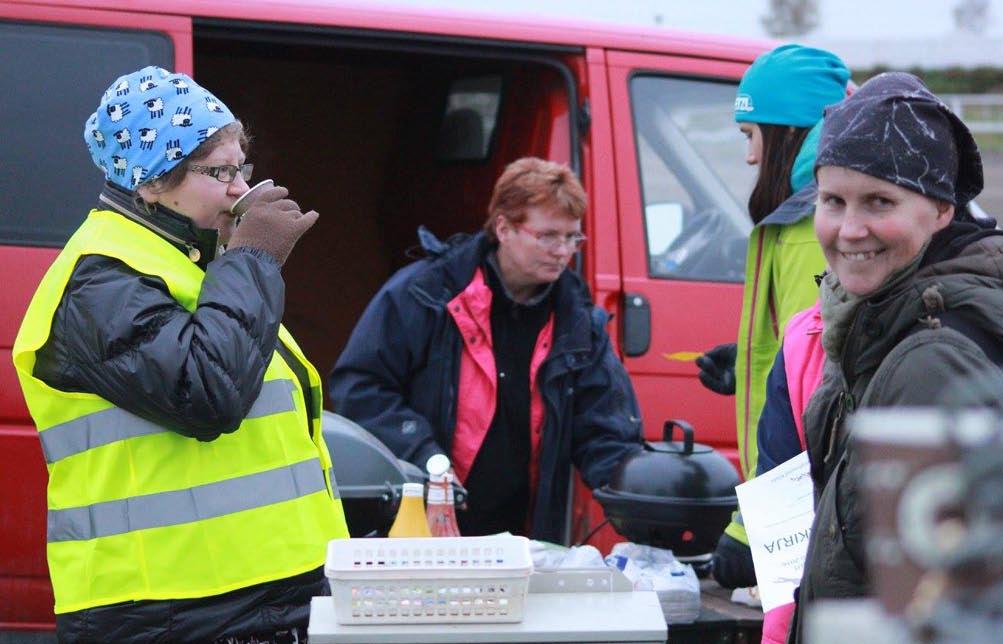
(982, 113)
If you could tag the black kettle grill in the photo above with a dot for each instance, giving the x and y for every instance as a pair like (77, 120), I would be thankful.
(369, 476)
(673, 494)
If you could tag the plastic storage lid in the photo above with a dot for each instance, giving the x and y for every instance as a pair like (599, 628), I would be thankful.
(437, 464)
(413, 489)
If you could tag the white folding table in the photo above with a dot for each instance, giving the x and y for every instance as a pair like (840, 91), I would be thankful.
(609, 617)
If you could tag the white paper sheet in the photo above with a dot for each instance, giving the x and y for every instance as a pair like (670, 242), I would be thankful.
(777, 509)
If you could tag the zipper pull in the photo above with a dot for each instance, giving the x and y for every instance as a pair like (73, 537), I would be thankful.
(193, 253)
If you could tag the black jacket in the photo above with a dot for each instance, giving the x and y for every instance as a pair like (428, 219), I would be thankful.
(122, 336)
(399, 374)
(261, 611)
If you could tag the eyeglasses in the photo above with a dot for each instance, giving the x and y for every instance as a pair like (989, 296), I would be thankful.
(551, 241)
(224, 173)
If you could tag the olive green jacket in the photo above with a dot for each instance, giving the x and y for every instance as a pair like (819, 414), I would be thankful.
(927, 341)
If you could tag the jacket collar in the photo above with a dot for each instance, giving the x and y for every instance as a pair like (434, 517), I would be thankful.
(198, 244)
(799, 205)
(492, 263)
(450, 265)
(453, 263)
(970, 280)
(573, 329)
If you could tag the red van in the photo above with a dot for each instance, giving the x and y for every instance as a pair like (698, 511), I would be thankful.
(382, 120)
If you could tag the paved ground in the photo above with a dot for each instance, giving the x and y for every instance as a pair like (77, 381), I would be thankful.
(991, 198)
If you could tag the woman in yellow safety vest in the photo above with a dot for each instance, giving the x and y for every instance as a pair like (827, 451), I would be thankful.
(190, 494)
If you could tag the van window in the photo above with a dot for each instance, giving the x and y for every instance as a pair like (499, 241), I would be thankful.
(468, 123)
(49, 182)
(694, 178)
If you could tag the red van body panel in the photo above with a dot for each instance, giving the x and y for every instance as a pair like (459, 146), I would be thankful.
(25, 593)
(481, 27)
(599, 60)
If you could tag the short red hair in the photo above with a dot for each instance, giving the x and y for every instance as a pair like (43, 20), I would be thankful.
(529, 182)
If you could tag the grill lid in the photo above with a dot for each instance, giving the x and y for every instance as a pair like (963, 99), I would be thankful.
(672, 494)
(673, 470)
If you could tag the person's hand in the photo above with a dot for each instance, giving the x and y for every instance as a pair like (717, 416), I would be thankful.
(732, 564)
(273, 223)
(717, 368)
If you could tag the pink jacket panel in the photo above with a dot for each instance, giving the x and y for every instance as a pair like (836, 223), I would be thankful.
(803, 361)
(478, 383)
(776, 622)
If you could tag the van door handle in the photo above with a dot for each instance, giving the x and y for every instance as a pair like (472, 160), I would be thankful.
(636, 332)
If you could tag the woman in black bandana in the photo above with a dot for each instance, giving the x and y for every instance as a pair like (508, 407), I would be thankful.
(913, 302)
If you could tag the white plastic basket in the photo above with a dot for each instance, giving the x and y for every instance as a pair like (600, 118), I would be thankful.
(429, 580)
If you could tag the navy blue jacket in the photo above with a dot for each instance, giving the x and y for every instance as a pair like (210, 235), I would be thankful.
(777, 434)
(399, 373)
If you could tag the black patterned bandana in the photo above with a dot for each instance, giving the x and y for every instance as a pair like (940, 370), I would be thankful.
(893, 128)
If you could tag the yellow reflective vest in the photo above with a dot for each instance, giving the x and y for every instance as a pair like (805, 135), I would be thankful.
(139, 512)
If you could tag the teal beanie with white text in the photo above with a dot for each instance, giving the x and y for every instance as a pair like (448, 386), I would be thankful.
(791, 85)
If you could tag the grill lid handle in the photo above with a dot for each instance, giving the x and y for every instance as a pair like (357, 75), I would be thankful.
(687, 429)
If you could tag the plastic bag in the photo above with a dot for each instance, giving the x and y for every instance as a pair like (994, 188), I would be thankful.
(551, 555)
(657, 569)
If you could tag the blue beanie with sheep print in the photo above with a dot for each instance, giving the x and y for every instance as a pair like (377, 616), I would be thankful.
(148, 122)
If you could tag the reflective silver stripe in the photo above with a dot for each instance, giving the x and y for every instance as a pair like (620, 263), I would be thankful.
(334, 484)
(185, 506)
(276, 397)
(115, 424)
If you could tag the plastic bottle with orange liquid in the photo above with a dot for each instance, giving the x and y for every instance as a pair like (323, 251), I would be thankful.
(410, 520)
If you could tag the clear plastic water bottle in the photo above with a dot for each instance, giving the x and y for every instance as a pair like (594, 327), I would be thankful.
(440, 511)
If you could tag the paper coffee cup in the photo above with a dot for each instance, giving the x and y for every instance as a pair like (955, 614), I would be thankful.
(912, 490)
(245, 200)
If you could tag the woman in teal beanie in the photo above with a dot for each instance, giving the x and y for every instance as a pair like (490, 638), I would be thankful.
(778, 106)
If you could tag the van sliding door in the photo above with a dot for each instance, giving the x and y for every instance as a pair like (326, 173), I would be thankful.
(683, 225)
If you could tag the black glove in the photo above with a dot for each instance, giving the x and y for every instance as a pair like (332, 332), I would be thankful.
(273, 223)
(732, 563)
(717, 368)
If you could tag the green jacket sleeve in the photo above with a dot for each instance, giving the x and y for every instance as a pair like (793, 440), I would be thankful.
(798, 260)
(780, 281)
